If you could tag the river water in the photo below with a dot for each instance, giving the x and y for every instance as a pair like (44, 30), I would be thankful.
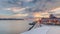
(14, 26)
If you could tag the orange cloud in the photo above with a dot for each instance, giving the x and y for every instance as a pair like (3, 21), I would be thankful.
(41, 14)
(56, 9)
(21, 15)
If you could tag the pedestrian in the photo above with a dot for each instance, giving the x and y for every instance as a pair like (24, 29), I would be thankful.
(40, 22)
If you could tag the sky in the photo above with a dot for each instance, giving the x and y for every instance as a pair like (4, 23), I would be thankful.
(23, 8)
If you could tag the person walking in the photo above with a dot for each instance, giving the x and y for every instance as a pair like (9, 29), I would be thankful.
(40, 22)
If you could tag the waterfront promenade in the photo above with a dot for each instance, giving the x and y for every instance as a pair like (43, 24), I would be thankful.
(46, 29)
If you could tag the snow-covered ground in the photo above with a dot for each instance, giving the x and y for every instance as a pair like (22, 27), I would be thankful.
(45, 29)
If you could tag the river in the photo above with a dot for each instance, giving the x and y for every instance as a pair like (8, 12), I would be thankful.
(14, 26)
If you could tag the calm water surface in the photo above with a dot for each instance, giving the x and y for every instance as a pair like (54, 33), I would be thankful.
(14, 26)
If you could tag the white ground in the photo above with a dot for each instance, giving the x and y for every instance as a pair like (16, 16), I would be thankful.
(45, 29)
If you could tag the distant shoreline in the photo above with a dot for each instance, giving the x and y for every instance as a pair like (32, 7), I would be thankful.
(10, 19)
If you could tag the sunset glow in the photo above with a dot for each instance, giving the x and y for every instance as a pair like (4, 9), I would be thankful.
(41, 14)
(37, 14)
(21, 15)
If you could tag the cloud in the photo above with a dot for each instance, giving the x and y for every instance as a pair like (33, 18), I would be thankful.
(40, 5)
(21, 15)
(41, 14)
(27, 0)
(15, 9)
(28, 6)
(55, 11)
